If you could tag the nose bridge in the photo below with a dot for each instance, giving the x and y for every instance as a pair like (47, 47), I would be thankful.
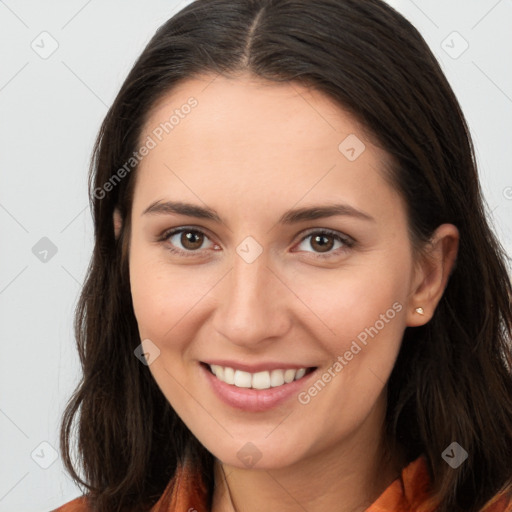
(251, 306)
(249, 282)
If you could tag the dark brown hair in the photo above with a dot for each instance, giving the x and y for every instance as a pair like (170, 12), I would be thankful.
(452, 379)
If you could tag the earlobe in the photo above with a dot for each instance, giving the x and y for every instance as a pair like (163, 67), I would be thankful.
(118, 222)
(432, 273)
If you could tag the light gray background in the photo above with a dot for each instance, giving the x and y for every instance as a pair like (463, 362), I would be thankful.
(50, 111)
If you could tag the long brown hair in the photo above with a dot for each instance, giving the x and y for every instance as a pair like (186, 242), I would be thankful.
(452, 379)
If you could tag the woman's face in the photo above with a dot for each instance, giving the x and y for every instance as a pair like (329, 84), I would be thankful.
(261, 277)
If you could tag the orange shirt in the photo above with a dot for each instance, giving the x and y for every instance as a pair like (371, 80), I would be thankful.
(408, 493)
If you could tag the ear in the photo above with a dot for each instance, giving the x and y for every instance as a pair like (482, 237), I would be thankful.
(431, 274)
(118, 222)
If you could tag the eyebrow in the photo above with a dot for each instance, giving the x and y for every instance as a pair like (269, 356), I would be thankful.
(289, 217)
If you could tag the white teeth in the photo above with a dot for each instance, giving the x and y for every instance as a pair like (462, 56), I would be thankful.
(217, 370)
(289, 375)
(276, 378)
(300, 373)
(229, 375)
(258, 380)
(242, 379)
(261, 380)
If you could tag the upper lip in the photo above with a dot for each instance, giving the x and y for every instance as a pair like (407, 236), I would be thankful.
(257, 367)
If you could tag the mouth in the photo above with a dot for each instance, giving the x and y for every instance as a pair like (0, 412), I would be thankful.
(260, 380)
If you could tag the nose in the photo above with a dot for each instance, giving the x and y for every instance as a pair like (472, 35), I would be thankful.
(253, 306)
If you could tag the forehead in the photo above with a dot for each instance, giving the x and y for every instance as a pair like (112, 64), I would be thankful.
(214, 133)
(248, 111)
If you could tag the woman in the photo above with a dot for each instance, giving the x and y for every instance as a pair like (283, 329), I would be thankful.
(295, 300)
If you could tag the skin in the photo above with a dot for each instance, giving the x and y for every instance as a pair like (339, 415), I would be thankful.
(251, 150)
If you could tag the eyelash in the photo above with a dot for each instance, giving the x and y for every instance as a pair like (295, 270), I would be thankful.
(347, 241)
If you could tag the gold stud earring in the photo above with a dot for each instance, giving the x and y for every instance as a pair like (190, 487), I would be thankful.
(420, 311)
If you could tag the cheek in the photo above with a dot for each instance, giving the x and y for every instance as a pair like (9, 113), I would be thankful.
(359, 321)
(164, 296)
(364, 310)
(154, 297)
(349, 300)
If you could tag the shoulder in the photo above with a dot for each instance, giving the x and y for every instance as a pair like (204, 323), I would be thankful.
(77, 505)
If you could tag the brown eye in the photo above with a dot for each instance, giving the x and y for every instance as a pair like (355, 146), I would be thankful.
(325, 243)
(322, 243)
(191, 240)
(187, 241)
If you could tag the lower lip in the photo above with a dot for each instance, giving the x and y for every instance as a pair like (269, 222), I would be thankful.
(254, 400)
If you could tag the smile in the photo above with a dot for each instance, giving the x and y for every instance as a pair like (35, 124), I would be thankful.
(258, 380)
(257, 391)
